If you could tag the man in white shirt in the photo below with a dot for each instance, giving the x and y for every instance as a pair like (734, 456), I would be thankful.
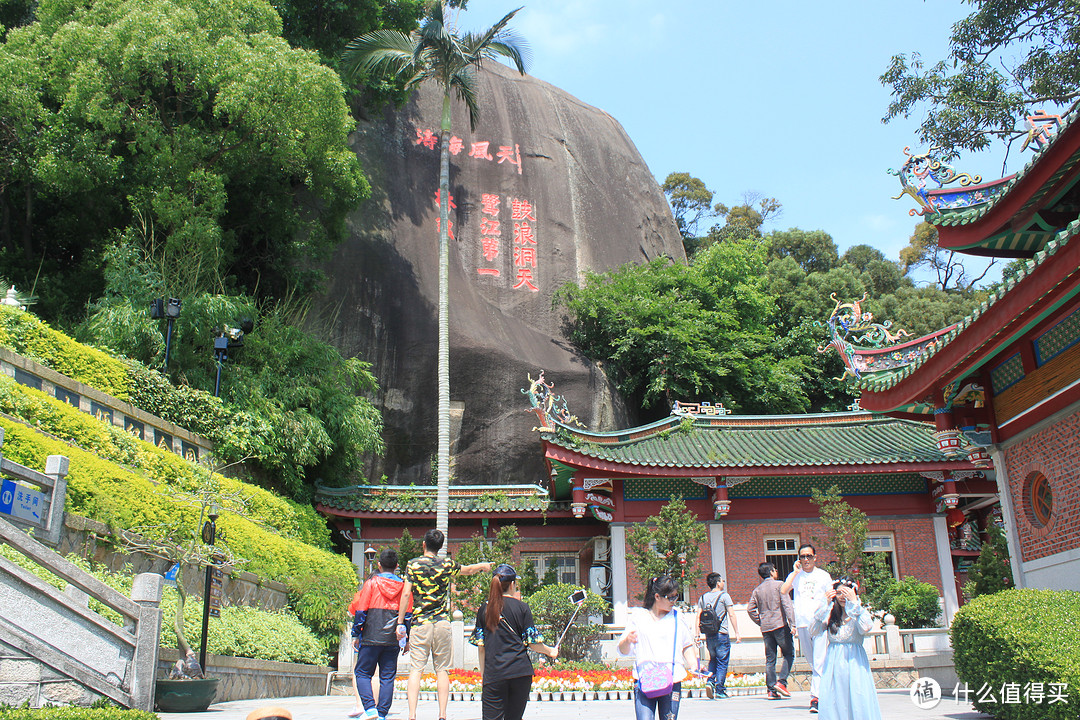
(810, 584)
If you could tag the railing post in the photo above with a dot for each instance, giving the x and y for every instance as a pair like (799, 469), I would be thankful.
(56, 467)
(457, 630)
(146, 591)
(894, 644)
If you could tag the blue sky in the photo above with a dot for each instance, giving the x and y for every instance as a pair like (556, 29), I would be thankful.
(778, 98)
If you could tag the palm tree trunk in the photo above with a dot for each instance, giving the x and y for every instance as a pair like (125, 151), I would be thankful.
(442, 498)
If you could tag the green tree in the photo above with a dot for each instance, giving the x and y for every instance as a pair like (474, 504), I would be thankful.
(437, 53)
(814, 250)
(914, 603)
(691, 203)
(186, 127)
(528, 582)
(669, 331)
(407, 548)
(472, 590)
(553, 611)
(991, 572)
(923, 250)
(1005, 59)
(845, 531)
(667, 544)
(745, 220)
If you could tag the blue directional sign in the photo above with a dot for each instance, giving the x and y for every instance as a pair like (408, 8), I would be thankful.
(21, 502)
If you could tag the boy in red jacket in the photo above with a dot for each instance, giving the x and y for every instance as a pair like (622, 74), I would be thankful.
(374, 634)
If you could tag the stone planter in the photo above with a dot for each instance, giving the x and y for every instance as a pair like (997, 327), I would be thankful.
(184, 695)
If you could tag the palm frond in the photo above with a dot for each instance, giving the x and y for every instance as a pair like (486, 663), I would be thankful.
(379, 52)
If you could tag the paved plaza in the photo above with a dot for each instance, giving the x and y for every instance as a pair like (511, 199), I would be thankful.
(895, 704)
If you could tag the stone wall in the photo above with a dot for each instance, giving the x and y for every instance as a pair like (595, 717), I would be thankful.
(94, 541)
(246, 679)
(26, 680)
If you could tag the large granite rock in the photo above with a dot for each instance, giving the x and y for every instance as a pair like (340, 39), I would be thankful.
(569, 175)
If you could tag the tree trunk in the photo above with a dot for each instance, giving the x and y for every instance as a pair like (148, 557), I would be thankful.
(442, 498)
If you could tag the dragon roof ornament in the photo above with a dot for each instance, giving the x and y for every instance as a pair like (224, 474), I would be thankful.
(849, 325)
(920, 168)
(549, 407)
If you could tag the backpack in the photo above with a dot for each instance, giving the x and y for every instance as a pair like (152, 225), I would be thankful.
(708, 621)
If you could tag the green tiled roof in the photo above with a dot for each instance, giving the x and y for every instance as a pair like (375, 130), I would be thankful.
(399, 499)
(760, 441)
(879, 382)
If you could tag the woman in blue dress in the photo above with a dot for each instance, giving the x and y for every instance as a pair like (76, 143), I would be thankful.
(847, 685)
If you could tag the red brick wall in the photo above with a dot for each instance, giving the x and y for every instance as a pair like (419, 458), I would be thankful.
(1055, 452)
(744, 545)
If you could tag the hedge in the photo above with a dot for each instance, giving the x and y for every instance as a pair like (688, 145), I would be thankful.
(57, 418)
(320, 582)
(74, 713)
(236, 434)
(1015, 638)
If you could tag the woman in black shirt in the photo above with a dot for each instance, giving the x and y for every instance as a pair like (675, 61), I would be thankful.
(504, 632)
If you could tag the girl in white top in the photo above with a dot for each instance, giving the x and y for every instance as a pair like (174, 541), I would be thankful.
(657, 633)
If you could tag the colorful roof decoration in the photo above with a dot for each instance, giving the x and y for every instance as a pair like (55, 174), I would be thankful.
(923, 167)
(1027, 210)
(359, 500)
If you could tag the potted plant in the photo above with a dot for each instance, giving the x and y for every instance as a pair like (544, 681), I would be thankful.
(187, 688)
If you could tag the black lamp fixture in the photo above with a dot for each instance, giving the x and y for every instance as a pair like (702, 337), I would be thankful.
(209, 534)
(228, 338)
(370, 554)
(170, 311)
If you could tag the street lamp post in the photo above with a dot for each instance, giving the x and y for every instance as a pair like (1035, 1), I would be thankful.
(209, 534)
(369, 553)
(170, 310)
(227, 338)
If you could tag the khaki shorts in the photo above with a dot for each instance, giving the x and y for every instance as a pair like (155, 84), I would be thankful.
(432, 639)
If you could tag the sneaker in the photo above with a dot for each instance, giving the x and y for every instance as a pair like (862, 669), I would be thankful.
(722, 694)
(781, 690)
(709, 691)
(773, 695)
(813, 705)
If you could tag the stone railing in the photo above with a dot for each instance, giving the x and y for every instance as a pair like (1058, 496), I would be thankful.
(76, 654)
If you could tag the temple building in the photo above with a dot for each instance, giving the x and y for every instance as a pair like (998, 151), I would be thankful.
(747, 478)
(1007, 377)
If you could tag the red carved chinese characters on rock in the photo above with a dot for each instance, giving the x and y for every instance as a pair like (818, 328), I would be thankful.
(525, 258)
(489, 232)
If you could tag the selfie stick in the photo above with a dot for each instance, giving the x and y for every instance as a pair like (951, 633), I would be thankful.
(569, 623)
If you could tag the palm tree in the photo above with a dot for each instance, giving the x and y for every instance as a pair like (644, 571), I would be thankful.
(436, 52)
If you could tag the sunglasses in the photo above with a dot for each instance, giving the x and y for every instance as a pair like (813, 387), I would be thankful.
(672, 598)
(806, 557)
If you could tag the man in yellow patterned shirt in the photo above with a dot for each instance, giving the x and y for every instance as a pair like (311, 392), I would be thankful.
(427, 581)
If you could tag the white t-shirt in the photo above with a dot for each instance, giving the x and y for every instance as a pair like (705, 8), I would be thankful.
(810, 589)
(657, 641)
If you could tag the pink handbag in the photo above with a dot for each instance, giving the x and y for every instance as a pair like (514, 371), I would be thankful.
(656, 678)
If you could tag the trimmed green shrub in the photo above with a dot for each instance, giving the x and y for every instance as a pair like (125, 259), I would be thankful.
(1018, 637)
(320, 582)
(110, 443)
(912, 602)
(552, 610)
(239, 632)
(74, 713)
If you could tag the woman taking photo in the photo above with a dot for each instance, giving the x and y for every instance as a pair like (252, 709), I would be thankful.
(847, 683)
(503, 633)
(663, 649)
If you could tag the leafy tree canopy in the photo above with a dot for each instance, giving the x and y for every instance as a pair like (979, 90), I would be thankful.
(667, 544)
(923, 250)
(814, 250)
(682, 332)
(690, 200)
(188, 127)
(1006, 59)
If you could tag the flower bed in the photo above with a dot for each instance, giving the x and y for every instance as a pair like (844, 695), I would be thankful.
(553, 680)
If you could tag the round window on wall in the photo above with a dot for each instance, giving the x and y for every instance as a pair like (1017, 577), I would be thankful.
(1040, 499)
